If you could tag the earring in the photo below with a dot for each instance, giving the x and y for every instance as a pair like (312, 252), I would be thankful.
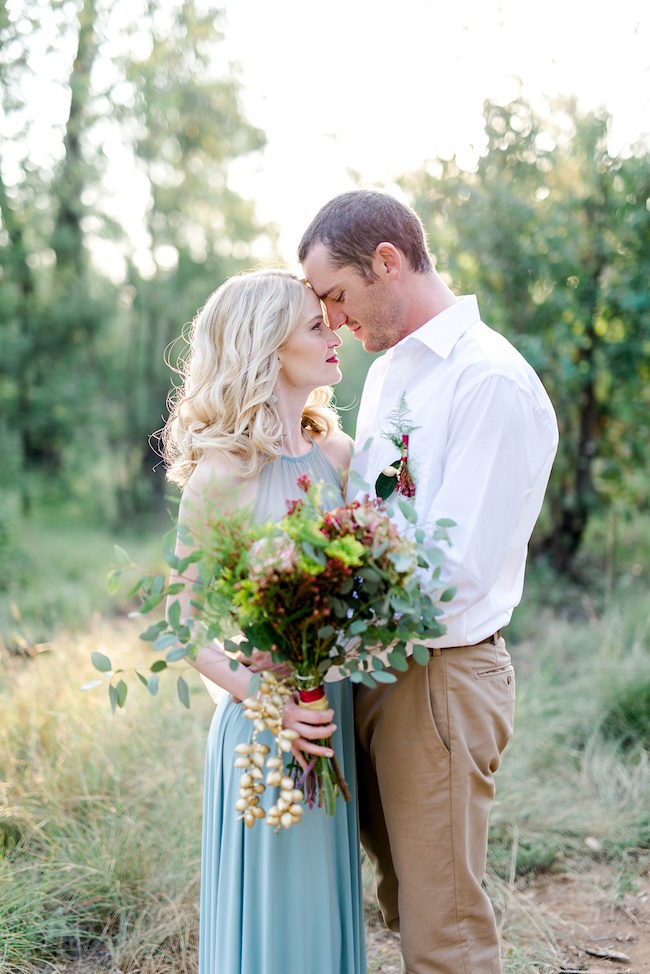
(274, 397)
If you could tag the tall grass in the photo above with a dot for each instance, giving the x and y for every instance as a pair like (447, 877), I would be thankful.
(100, 814)
(569, 774)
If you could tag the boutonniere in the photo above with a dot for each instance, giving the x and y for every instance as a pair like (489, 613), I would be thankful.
(397, 477)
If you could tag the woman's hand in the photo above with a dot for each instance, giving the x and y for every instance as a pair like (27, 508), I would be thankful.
(259, 661)
(312, 726)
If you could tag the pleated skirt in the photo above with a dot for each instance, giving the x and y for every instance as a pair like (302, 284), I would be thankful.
(279, 903)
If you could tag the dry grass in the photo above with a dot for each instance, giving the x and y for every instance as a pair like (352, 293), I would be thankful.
(100, 814)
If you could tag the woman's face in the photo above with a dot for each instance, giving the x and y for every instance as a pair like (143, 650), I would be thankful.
(309, 360)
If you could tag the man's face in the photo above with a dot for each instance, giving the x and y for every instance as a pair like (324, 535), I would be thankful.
(369, 308)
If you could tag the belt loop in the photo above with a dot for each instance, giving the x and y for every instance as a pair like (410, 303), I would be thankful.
(435, 651)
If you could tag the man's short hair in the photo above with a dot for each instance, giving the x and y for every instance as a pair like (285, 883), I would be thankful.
(352, 225)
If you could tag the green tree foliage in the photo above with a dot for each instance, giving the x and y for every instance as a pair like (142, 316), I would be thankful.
(90, 296)
(186, 127)
(553, 234)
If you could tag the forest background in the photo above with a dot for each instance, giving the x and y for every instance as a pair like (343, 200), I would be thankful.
(552, 231)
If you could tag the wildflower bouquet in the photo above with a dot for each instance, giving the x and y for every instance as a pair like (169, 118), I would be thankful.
(319, 589)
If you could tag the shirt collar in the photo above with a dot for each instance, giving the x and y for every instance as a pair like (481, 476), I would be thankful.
(441, 332)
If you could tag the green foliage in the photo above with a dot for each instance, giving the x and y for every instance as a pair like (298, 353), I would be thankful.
(83, 378)
(627, 715)
(54, 575)
(553, 234)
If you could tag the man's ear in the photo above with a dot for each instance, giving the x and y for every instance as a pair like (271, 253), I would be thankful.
(387, 261)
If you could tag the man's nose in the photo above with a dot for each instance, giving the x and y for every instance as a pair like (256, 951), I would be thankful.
(336, 316)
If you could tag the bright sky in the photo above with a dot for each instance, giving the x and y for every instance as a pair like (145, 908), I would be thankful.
(379, 87)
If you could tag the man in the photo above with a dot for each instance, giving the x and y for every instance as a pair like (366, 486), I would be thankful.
(482, 436)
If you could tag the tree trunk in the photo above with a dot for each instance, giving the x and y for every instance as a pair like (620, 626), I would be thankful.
(67, 239)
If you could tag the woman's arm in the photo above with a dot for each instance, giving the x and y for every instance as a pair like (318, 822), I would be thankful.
(212, 661)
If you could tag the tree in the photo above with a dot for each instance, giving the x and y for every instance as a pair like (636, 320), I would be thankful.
(186, 127)
(552, 232)
(82, 375)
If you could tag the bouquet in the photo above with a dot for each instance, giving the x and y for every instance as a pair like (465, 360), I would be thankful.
(319, 589)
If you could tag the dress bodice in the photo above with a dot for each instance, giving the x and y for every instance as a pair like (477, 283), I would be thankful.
(278, 482)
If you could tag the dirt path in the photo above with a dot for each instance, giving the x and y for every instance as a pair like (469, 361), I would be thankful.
(589, 917)
(577, 921)
(559, 923)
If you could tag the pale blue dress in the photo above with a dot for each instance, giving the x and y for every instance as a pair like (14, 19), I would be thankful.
(288, 902)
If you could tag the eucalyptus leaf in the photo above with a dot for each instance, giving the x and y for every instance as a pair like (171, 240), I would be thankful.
(421, 654)
(183, 692)
(398, 661)
(113, 580)
(112, 696)
(167, 639)
(157, 584)
(357, 482)
(174, 615)
(175, 654)
(175, 588)
(151, 602)
(101, 662)
(408, 510)
(152, 633)
(122, 691)
(158, 665)
(152, 684)
(172, 559)
(384, 676)
(135, 589)
(122, 556)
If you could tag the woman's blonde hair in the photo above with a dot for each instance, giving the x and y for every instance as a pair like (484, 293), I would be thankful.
(225, 400)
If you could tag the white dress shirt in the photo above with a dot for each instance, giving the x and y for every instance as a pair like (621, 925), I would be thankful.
(481, 455)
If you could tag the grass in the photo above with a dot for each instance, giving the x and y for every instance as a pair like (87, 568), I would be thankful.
(53, 575)
(100, 813)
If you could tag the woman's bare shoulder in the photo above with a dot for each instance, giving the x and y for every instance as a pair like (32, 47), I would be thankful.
(216, 484)
(337, 446)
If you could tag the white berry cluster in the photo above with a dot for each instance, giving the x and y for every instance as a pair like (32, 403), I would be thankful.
(266, 712)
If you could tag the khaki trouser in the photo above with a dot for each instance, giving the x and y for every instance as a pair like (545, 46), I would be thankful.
(428, 746)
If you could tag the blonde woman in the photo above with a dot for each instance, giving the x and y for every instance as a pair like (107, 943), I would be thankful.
(252, 415)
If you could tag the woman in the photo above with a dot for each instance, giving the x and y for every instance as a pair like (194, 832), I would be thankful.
(252, 415)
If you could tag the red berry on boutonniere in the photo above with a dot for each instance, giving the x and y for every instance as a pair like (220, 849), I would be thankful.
(398, 477)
